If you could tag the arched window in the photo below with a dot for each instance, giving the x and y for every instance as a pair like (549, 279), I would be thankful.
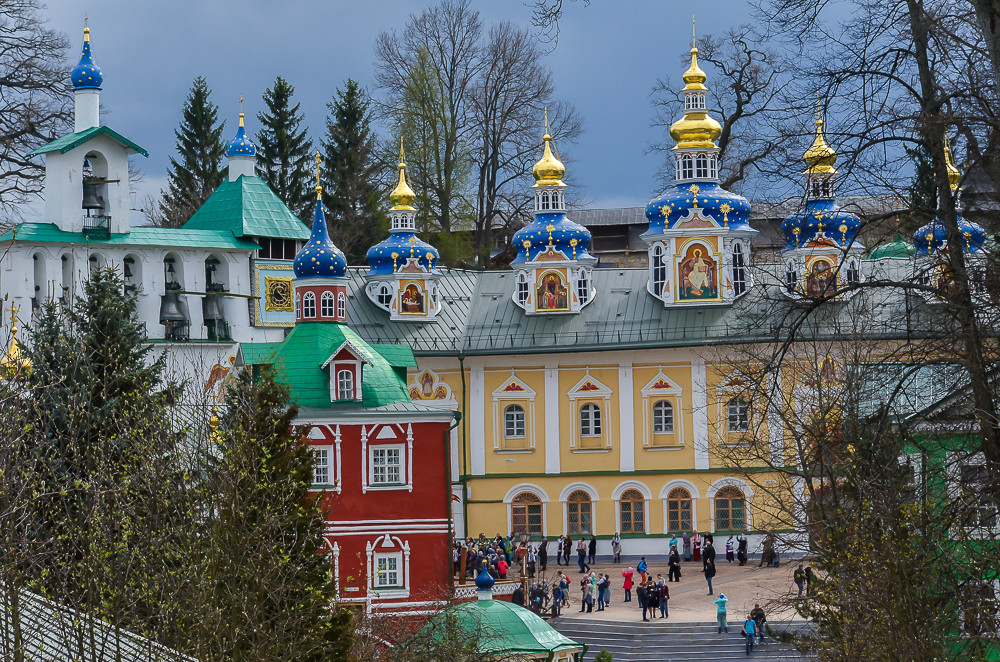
(679, 510)
(583, 288)
(713, 166)
(345, 385)
(815, 188)
(687, 167)
(632, 509)
(738, 415)
(341, 305)
(384, 296)
(827, 188)
(791, 277)
(326, 305)
(557, 200)
(545, 200)
(590, 420)
(659, 270)
(739, 270)
(663, 418)
(702, 166)
(513, 422)
(730, 510)
(853, 273)
(522, 288)
(579, 513)
(526, 514)
(309, 305)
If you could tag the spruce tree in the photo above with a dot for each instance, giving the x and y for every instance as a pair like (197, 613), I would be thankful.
(198, 170)
(352, 191)
(284, 155)
(271, 588)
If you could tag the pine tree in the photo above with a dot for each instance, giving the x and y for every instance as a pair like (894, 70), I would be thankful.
(200, 149)
(270, 584)
(352, 191)
(284, 157)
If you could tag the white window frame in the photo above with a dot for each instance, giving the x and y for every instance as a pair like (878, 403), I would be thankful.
(326, 304)
(956, 462)
(600, 395)
(742, 428)
(661, 387)
(590, 420)
(384, 296)
(513, 391)
(385, 547)
(345, 384)
(739, 270)
(522, 291)
(341, 305)
(666, 410)
(395, 558)
(373, 451)
(322, 462)
(309, 305)
(658, 265)
(524, 421)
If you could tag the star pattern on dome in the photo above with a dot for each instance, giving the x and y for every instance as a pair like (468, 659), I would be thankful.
(86, 75)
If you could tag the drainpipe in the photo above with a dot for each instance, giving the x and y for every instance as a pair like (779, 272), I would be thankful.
(464, 475)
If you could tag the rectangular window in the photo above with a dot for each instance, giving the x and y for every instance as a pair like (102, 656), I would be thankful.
(578, 518)
(321, 466)
(386, 465)
(679, 515)
(345, 385)
(738, 415)
(388, 571)
(978, 508)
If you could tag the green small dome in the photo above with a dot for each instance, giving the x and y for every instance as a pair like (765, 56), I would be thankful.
(898, 248)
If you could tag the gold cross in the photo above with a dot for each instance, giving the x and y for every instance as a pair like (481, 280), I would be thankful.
(241, 102)
(546, 120)
(319, 167)
(13, 310)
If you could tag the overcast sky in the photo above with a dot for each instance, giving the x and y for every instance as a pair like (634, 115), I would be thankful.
(608, 57)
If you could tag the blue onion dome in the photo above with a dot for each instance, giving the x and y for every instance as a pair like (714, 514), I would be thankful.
(87, 75)
(932, 237)
(392, 254)
(552, 232)
(484, 581)
(729, 210)
(319, 258)
(821, 222)
(241, 145)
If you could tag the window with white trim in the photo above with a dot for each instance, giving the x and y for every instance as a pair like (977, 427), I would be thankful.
(978, 510)
(522, 288)
(545, 200)
(583, 288)
(384, 296)
(345, 385)
(738, 415)
(388, 570)
(701, 166)
(341, 305)
(853, 272)
(791, 277)
(659, 270)
(687, 167)
(309, 305)
(590, 420)
(663, 417)
(326, 304)
(321, 466)
(513, 422)
(739, 270)
(386, 464)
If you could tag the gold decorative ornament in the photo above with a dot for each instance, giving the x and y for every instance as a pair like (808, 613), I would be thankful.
(820, 157)
(402, 196)
(278, 293)
(549, 171)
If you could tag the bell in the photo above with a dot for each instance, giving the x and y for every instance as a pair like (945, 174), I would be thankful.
(213, 308)
(170, 310)
(90, 199)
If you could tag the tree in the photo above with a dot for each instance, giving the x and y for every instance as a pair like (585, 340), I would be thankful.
(352, 188)
(284, 159)
(266, 590)
(193, 178)
(35, 106)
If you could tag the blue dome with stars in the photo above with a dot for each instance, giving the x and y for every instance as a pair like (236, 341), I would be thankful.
(670, 209)
(552, 231)
(241, 145)
(932, 237)
(319, 258)
(403, 244)
(821, 221)
(87, 75)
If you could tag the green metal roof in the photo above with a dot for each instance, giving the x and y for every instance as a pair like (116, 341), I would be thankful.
(898, 248)
(259, 353)
(500, 628)
(301, 355)
(248, 207)
(398, 356)
(138, 236)
(71, 140)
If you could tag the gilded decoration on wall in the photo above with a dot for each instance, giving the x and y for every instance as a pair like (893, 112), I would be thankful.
(552, 294)
(699, 277)
(278, 293)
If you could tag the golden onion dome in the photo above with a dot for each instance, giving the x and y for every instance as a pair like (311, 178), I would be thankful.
(549, 170)
(14, 362)
(820, 157)
(954, 175)
(402, 196)
(696, 129)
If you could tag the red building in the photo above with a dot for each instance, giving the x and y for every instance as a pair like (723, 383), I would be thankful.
(381, 460)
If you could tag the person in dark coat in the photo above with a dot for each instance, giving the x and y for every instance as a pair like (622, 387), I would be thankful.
(741, 549)
(518, 596)
(567, 548)
(640, 594)
(652, 598)
(543, 554)
(708, 553)
(592, 550)
(675, 566)
(709, 573)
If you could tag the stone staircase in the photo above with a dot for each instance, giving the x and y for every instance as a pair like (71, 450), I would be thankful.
(673, 642)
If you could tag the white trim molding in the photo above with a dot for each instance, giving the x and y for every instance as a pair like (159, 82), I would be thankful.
(730, 481)
(662, 387)
(590, 390)
(564, 500)
(695, 495)
(512, 391)
(647, 498)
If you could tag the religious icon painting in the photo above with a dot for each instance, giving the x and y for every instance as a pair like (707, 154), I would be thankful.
(699, 275)
(552, 293)
(412, 301)
(821, 279)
